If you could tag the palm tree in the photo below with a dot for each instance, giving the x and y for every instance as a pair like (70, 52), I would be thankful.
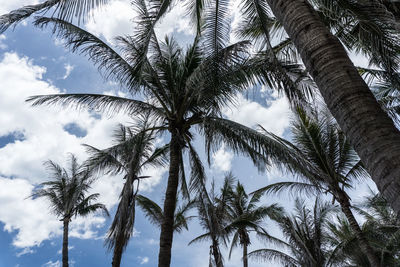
(131, 154)
(154, 213)
(183, 90)
(369, 130)
(212, 214)
(67, 193)
(65, 9)
(305, 238)
(381, 227)
(244, 215)
(328, 165)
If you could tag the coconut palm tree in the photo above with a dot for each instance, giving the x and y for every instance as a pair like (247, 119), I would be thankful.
(183, 90)
(304, 241)
(67, 192)
(381, 228)
(131, 154)
(244, 215)
(344, 242)
(369, 130)
(329, 165)
(212, 215)
(64, 9)
(154, 213)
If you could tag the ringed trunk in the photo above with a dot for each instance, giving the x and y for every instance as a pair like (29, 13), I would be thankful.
(167, 226)
(369, 129)
(362, 241)
(65, 244)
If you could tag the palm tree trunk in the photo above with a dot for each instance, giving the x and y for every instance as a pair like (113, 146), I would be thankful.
(216, 253)
(65, 243)
(368, 128)
(167, 226)
(117, 256)
(362, 241)
(245, 260)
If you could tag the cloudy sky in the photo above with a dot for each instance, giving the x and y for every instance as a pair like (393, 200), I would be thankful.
(32, 62)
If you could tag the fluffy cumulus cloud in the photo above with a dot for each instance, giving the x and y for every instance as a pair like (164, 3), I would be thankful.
(116, 18)
(41, 135)
(222, 160)
(112, 20)
(7, 5)
(274, 116)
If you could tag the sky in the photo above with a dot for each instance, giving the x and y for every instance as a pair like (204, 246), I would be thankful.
(33, 62)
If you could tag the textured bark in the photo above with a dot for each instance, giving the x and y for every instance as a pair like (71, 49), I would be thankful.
(65, 244)
(368, 128)
(362, 241)
(216, 253)
(117, 256)
(167, 226)
(245, 260)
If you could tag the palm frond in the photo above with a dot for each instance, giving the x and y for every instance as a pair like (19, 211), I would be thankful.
(109, 62)
(107, 104)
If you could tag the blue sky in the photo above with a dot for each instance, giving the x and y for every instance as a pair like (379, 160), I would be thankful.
(33, 62)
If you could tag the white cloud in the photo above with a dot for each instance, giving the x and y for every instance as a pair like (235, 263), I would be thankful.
(144, 260)
(175, 20)
(117, 17)
(44, 137)
(112, 20)
(222, 160)
(52, 264)
(30, 218)
(25, 251)
(7, 5)
(2, 44)
(68, 69)
(274, 117)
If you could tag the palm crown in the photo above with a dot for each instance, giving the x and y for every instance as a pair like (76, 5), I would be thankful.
(67, 191)
(132, 153)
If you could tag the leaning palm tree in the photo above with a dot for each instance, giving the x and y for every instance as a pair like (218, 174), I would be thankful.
(244, 215)
(132, 153)
(67, 192)
(304, 241)
(363, 26)
(368, 128)
(183, 90)
(326, 163)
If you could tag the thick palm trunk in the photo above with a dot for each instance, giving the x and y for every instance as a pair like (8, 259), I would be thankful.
(369, 129)
(167, 226)
(362, 241)
(65, 244)
(245, 260)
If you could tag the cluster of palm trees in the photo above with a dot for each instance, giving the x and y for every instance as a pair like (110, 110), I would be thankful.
(180, 94)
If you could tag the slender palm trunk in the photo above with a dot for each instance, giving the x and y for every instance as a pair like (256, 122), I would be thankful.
(362, 241)
(167, 226)
(216, 253)
(245, 260)
(117, 256)
(65, 243)
(368, 128)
